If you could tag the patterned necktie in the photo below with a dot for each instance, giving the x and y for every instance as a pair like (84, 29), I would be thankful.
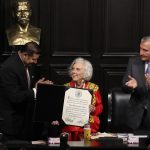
(28, 77)
(148, 68)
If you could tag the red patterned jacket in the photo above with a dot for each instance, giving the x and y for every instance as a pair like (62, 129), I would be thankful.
(94, 117)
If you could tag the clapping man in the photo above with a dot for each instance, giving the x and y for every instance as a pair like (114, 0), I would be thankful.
(137, 81)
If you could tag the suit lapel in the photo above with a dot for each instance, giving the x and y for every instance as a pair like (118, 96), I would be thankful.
(22, 71)
(140, 66)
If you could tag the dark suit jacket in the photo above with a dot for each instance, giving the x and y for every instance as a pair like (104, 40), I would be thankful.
(140, 98)
(16, 100)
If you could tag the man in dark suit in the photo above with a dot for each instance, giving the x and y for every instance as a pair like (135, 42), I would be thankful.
(137, 81)
(17, 98)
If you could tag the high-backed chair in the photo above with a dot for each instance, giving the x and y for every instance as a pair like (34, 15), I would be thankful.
(117, 105)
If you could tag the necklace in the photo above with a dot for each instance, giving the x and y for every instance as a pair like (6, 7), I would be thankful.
(82, 85)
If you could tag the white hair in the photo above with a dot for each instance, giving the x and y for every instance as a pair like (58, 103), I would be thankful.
(88, 68)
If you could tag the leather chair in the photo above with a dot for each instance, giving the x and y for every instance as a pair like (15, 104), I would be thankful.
(117, 105)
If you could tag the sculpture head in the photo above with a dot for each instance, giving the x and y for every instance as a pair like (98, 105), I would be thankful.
(22, 11)
(22, 31)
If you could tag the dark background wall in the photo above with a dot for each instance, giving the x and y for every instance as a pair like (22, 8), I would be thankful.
(106, 32)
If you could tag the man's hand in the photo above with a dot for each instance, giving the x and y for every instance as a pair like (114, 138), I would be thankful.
(132, 83)
(43, 81)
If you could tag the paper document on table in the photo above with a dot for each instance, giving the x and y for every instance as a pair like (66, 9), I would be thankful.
(100, 135)
(76, 106)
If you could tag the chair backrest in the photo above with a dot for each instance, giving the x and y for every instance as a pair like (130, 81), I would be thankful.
(117, 103)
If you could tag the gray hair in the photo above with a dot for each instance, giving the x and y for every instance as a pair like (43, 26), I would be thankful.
(145, 39)
(88, 68)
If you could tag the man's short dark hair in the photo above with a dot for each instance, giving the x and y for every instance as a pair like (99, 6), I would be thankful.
(31, 48)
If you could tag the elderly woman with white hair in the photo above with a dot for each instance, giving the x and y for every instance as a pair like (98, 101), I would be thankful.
(81, 72)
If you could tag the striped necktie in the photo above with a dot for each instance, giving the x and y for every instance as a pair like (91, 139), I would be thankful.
(28, 77)
(148, 68)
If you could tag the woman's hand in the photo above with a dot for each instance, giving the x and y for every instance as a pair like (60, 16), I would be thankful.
(55, 123)
(91, 108)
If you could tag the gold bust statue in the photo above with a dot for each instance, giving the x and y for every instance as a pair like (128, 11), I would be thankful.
(22, 32)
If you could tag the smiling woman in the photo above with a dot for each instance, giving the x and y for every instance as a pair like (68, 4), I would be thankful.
(81, 72)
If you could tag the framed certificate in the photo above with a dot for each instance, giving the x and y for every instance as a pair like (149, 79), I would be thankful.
(56, 102)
